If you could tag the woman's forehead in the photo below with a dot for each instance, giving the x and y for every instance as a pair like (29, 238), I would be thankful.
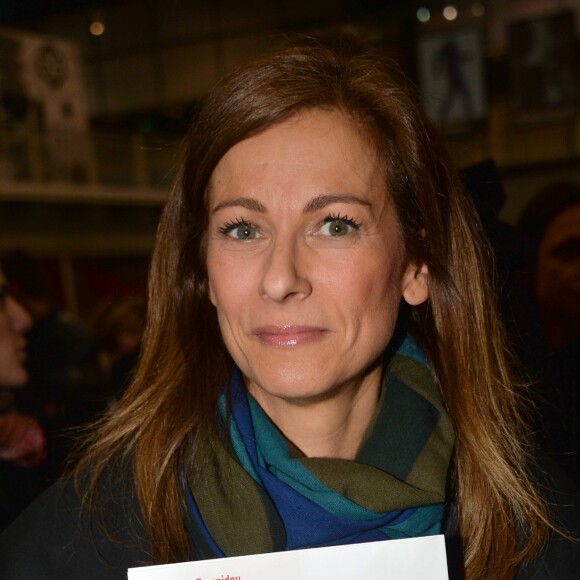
(324, 147)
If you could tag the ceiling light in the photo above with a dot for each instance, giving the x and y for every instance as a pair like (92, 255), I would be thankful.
(423, 15)
(96, 28)
(450, 12)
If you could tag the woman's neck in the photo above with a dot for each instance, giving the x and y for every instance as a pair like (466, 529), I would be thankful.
(331, 427)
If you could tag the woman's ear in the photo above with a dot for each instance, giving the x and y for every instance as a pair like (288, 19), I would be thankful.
(415, 286)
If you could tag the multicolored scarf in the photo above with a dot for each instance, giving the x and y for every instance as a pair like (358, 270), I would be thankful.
(259, 494)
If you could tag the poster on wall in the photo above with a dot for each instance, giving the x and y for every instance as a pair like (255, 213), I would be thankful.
(543, 67)
(452, 77)
(42, 98)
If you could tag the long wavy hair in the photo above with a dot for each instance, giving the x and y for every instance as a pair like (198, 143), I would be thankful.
(167, 416)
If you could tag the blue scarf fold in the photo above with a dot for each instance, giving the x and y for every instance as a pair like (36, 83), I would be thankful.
(303, 502)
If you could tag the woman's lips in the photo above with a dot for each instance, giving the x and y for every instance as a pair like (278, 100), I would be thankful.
(290, 335)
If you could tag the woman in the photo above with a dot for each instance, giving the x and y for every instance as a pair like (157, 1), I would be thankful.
(317, 226)
(551, 221)
(22, 441)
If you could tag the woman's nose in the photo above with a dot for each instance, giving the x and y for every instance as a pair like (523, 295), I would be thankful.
(283, 277)
(21, 321)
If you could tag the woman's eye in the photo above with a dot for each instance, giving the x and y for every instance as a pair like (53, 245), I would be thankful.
(240, 231)
(338, 226)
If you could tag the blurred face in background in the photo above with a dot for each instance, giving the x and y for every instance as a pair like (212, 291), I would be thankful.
(14, 322)
(558, 266)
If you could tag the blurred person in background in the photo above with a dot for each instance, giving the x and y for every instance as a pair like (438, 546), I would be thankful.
(116, 332)
(61, 390)
(22, 442)
(59, 353)
(512, 254)
(551, 221)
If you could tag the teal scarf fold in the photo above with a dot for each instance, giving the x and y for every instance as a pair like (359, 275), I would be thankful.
(259, 494)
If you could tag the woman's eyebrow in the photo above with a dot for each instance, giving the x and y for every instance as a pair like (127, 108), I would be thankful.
(247, 202)
(321, 201)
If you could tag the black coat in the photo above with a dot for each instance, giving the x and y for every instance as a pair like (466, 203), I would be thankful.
(53, 540)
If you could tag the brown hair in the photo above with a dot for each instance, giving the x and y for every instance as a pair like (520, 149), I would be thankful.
(166, 417)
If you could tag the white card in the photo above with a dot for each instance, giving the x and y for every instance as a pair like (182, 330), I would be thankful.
(412, 559)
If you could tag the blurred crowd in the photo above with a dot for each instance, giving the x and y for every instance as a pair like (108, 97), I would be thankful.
(75, 372)
(72, 374)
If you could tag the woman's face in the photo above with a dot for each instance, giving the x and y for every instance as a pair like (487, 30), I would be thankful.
(558, 267)
(14, 322)
(304, 258)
